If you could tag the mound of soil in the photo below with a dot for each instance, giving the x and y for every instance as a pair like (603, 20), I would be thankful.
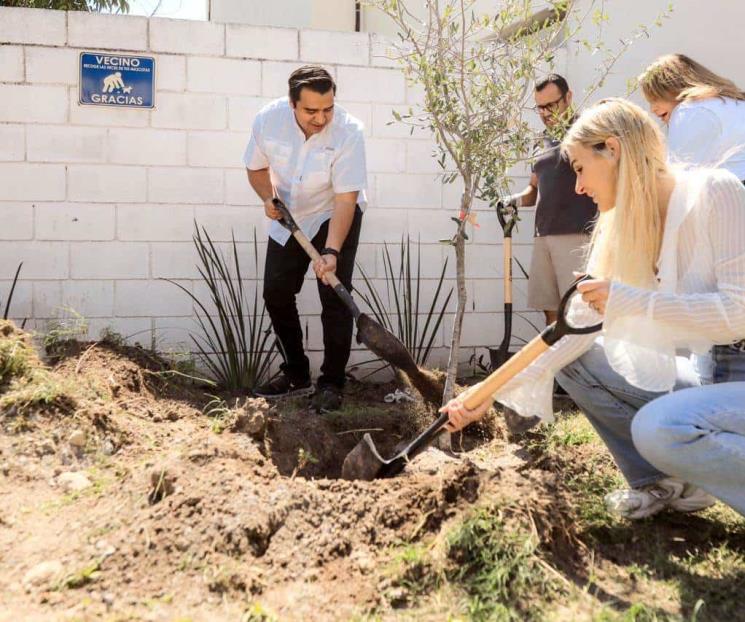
(132, 504)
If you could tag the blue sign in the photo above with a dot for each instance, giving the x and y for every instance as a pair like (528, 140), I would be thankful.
(115, 80)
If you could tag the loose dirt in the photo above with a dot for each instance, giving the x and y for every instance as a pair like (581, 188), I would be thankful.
(124, 501)
(173, 518)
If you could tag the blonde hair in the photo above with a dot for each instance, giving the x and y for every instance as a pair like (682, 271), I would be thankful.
(626, 240)
(676, 77)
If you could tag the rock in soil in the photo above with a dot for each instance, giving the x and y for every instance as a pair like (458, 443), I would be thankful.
(42, 574)
(77, 439)
(73, 481)
(251, 423)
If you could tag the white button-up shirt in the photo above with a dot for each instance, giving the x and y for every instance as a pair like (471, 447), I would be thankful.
(306, 174)
(699, 300)
(708, 132)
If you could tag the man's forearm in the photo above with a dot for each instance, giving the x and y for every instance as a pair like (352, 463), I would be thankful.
(261, 183)
(341, 219)
(527, 197)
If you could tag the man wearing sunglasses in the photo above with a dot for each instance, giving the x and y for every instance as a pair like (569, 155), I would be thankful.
(562, 217)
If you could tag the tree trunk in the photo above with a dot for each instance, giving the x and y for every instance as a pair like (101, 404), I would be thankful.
(460, 267)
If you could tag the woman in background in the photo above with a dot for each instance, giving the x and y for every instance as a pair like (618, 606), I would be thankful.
(704, 113)
(705, 118)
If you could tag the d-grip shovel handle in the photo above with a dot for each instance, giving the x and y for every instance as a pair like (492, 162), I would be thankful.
(507, 226)
(288, 222)
(531, 351)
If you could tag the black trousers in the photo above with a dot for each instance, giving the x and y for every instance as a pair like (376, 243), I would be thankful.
(284, 273)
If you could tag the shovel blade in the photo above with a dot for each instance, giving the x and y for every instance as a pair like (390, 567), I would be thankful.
(383, 343)
(363, 462)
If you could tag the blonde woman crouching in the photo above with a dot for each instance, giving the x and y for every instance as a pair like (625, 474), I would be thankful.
(668, 257)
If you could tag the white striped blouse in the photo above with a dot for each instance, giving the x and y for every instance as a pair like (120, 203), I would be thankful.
(699, 301)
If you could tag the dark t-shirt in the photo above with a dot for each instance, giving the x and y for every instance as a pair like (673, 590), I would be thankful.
(559, 209)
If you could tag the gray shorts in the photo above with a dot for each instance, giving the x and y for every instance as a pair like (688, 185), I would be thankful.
(555, 259)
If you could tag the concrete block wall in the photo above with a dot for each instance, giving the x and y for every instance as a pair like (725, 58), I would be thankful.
(100, 203)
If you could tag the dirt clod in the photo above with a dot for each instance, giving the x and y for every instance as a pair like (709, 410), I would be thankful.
(42, 574)
(73, 481)
(77, 439)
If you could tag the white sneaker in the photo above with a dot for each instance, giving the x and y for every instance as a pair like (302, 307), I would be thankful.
(669, 492)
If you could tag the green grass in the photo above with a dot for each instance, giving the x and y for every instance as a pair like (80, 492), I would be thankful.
(71, 327)
(490, 566)
(486, 568)
(681, 567)
(25, 384)
(498, 569)
(257, 613)
(85, 575)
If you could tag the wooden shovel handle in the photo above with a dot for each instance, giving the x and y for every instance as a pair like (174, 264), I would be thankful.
(506, 372)
(314, 255)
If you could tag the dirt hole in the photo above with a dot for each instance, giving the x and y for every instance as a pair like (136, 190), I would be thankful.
(312, 446)
(301, 443)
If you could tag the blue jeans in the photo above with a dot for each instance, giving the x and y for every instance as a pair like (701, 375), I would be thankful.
(698, 435)
(729, 362)
(610, 403)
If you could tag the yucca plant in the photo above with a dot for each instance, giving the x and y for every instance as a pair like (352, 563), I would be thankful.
(236, 345)
(403, 314)
(6, 310)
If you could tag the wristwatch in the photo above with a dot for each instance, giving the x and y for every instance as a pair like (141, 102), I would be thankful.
(330, 251)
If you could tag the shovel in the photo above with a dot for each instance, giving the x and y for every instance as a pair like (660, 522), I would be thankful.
(378, 339)
(365, 462)
(507, 215)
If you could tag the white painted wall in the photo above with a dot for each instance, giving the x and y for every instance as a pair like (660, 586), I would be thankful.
(317, 14)
(710, 32)
(99, 203)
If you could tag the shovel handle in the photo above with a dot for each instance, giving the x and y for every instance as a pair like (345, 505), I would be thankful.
(426, 437)
(331, 278)
(510, 369)
(506, 372)
(497, 379)
(288, 222)
(313, 254)
(529, 353)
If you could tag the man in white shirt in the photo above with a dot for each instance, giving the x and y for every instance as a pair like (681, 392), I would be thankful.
(310, 154)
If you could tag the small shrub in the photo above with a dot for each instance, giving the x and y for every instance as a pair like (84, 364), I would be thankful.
(412, 318)
(59, 332)
(235, 343)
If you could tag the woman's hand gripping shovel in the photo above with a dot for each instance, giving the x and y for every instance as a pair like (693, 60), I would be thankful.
(379, 340)
(364, 461)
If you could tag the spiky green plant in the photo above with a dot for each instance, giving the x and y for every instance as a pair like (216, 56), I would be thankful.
(236, 346)
(8, 302)
(403, 315)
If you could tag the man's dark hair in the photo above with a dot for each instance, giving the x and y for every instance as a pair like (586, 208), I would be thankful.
(553, 78)
(313, 77)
